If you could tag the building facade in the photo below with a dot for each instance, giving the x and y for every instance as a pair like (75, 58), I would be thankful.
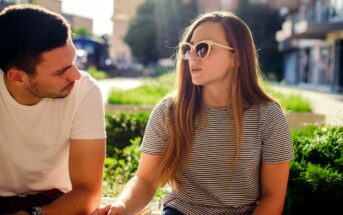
(311, 40)
(53, 5)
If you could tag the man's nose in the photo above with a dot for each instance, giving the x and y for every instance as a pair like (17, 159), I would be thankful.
(74, 74)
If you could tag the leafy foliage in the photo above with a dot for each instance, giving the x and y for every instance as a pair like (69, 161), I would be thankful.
(81, 32)
(322, 146)
(123, 127)
(141, 35)
(316, 174)
(155, 31)
(121, 166)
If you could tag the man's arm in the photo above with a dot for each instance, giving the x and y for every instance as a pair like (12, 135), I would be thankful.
(274, 178)
(86, 161)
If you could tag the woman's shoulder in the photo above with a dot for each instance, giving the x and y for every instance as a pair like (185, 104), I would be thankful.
(269, 106)
(165, 106)
(166, 102)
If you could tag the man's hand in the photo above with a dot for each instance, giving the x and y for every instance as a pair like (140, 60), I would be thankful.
(117, 208)
(21, 213)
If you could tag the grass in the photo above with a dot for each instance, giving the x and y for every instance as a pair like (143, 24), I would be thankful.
(96, 74)
(153, 90)
(290, 102)
(150, 93)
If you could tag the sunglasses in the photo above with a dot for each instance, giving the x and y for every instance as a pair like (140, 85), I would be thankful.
(202, 48)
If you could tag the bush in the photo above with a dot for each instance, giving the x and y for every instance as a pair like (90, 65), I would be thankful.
(316, 174)
(313, 189)
(319, 145)
(123, 127)
(121, 166)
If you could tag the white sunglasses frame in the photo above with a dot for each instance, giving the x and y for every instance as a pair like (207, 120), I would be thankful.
(210, 43)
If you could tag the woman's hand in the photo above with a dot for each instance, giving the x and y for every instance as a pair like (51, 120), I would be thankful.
(117, 208)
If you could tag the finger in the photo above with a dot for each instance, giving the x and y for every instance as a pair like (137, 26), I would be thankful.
(103, 210)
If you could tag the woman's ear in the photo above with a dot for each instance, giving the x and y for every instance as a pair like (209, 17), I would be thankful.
(17, 77)
(236, 61)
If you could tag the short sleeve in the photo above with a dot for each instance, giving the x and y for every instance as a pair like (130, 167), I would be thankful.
(276, 139)
(155, 135)
(89, 118)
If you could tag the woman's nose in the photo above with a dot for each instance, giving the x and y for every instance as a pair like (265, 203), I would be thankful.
(193, 56)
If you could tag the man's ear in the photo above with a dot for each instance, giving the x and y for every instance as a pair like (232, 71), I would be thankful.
(17, 77)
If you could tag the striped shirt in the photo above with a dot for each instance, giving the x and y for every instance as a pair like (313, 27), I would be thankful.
(210, 183)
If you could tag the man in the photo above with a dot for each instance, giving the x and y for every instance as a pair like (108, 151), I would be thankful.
(52, 136)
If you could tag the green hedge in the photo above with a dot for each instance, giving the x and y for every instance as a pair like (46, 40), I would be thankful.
(123, 127)
(316, 175)
(120, 167)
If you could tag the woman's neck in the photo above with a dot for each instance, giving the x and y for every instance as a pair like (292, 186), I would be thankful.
(216, 98)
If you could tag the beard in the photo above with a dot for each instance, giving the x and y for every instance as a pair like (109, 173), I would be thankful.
(35, 89)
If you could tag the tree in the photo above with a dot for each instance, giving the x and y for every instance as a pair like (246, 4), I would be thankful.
(81, 32)
(156, 29)
(141, 35)
(172, 17)
(264, 23)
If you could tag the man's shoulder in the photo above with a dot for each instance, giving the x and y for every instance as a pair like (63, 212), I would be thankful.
(86, 79)
(85, 84)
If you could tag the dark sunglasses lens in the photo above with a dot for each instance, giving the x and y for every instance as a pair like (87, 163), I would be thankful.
(202, 49)
(185, 50)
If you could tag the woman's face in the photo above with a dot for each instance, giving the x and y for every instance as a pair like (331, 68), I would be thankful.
(213, 70)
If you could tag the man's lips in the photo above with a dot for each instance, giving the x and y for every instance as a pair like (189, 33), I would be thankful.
(69, 86)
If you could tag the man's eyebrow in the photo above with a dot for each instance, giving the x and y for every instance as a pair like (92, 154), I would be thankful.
(63, 69)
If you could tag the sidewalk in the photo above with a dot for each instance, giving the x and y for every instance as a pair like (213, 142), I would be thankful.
(327, 104)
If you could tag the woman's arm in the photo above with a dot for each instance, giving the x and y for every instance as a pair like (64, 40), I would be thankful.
(274, 178)
(138, 192)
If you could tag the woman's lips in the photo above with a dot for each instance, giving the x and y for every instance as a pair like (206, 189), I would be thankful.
(195, 70)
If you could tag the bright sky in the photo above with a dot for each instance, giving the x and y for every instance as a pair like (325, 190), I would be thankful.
(100, 11)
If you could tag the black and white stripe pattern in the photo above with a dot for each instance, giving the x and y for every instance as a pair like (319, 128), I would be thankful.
(210, 183)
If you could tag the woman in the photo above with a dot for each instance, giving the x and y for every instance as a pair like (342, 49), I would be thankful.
(220, 141)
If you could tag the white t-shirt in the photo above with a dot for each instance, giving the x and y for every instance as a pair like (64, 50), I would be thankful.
(34, 140)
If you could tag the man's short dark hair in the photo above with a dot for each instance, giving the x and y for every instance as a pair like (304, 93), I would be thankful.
(27, 31)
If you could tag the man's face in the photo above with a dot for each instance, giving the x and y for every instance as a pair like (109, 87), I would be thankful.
(55, 75)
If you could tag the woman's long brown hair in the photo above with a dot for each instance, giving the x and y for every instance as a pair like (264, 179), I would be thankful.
(187, 104)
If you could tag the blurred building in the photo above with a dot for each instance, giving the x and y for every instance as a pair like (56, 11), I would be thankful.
(312, 42)
(53, 5)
